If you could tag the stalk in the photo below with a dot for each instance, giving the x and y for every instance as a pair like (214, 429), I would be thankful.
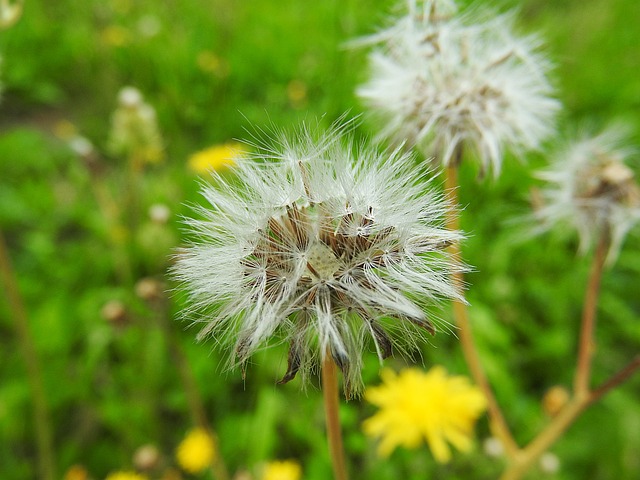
(587, 328)
(331, 403)
(469, 349)
(17, 310)
(582, 395)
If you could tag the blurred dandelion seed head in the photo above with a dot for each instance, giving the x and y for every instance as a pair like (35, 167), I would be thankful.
(197, 451)
(10, 12)
(322, 245)
(134, 128)
(448, 82)
(281, 470)
(416, 406)
(591, 188)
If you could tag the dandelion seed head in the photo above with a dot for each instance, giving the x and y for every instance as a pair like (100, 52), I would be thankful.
(590, 187)
(447, 82)
(320, 244)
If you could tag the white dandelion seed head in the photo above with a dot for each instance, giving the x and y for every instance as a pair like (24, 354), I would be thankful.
(445, 82)
(591, 188)
(321, 245)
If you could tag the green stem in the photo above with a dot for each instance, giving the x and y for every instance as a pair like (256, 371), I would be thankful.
(34, 375)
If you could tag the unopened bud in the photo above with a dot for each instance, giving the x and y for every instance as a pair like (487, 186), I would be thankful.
(493, 447)
(114, 312)
(554, 400)
(159, 213)
(146, 457)
(549, 463)
(149, 289)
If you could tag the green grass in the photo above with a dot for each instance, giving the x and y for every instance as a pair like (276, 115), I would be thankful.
(112, 389)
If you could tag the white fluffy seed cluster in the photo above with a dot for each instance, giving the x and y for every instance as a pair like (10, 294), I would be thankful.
(446, 82)
(590, 187)
(323, 245)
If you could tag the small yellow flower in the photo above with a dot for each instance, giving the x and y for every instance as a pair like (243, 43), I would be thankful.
(282, 470)
(197, 451)
(126, 475)
(216, 157)
(415, 405)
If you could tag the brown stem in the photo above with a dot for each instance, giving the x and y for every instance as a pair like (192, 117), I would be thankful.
(587, 328)
(460, 313)
(582, 396)
(34, 375)
(331, 399)
(620, 377)
(547, 437)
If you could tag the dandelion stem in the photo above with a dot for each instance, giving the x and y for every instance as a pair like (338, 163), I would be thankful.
(585, 348)
(622, 376)
(34, 374)
(582, 396)
(460, 313)
(334, 435)
(547, 437)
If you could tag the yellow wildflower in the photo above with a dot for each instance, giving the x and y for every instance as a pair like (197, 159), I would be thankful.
(126, 475)
(216, 157)
(282, 470)
(415, 405)
(197, 451)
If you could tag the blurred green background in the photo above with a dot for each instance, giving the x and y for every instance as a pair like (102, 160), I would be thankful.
(80, 236)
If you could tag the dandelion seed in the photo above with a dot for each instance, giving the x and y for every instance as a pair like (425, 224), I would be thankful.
(282, 470)
(217, 157)
(445, 82)
(196, 452)
(322, 246)
(417, 406)
(592, 189)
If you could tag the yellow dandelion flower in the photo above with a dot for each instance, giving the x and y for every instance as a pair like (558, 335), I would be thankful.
(197, 451)
(282, 470)
(126, 475)
(433, 406)
(216, 157)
